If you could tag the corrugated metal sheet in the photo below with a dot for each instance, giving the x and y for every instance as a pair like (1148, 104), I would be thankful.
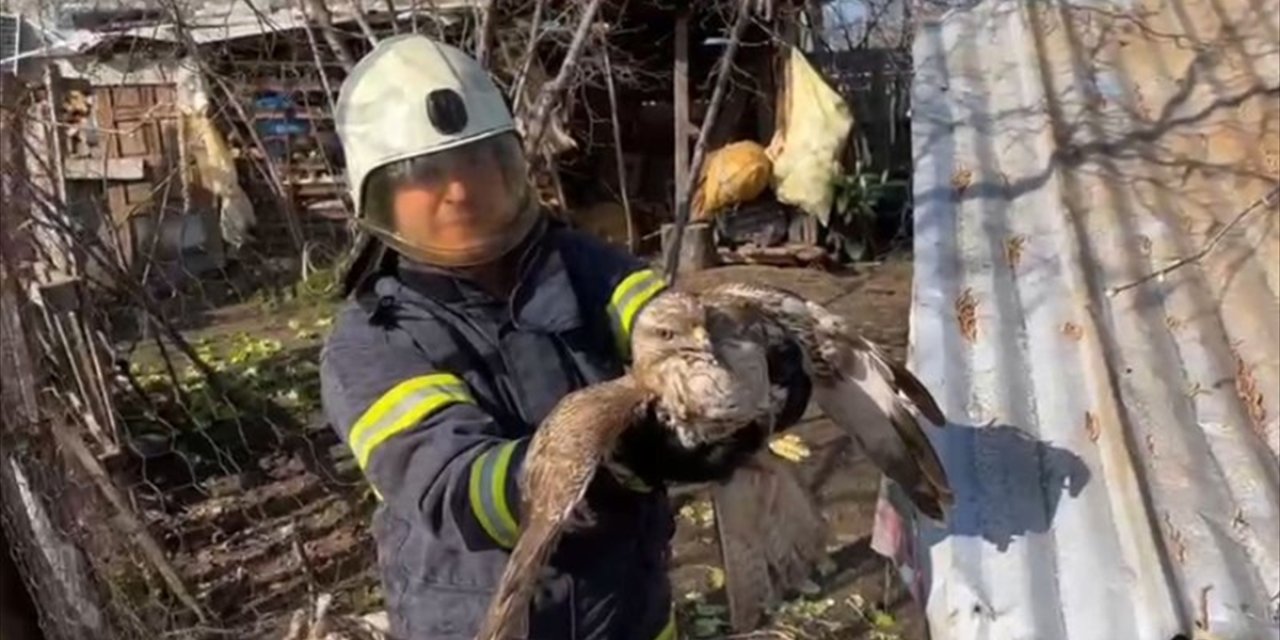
(1114, 456)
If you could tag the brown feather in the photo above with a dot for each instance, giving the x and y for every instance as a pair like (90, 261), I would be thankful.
(562, 459)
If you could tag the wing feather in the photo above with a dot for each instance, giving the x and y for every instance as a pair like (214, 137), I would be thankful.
(566, 450)
(864, 399)
(862, 390)
(906, 382)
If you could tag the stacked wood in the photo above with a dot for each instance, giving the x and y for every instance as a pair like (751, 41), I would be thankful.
(788, 255)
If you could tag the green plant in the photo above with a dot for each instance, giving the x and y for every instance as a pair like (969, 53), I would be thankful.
(859, 196)
(259, 365)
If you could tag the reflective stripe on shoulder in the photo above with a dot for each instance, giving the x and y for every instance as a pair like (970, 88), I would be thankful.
(488, 494)
(403, 407)
(669, 631)
(628, 298)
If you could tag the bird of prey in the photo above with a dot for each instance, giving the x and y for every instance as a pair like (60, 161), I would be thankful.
(699, 365)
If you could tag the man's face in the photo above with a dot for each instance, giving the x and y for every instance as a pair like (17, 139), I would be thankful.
(458, 200)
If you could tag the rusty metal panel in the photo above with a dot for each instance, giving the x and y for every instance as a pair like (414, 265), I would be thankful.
(1114, 450)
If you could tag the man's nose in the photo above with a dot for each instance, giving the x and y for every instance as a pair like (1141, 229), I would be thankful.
(456, 188)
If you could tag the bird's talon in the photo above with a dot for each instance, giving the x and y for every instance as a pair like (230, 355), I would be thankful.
(790, 447)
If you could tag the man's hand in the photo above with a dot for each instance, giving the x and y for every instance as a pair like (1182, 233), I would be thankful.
(650, 452)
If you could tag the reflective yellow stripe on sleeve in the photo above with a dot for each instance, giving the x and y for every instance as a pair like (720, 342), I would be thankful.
(488, 494)
(628, 298)
(669, 631)
(403, 407)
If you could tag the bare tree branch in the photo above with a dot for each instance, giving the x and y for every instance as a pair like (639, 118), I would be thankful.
(552, 91)
(530, 50)
(484, 38)
(318, 11)
(1271, 199)
(617, 146)
(699, 150)
(362, 19)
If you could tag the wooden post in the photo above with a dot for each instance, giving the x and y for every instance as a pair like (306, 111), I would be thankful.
(680, 100)
(697, 248)
(58, 244)
(71, 442)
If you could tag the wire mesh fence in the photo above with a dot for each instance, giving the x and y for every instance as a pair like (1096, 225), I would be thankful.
(200, 495)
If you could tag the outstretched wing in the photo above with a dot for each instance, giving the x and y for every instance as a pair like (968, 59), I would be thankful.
(860, 389)
(771, 535)
(866, 399)
(562, 459)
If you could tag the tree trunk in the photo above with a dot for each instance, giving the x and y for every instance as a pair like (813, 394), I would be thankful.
(697, 248)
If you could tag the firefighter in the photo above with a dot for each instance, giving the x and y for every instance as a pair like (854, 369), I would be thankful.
(469, 315)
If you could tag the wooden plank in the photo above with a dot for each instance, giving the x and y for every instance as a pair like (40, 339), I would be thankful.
(681, 100)
(136, 193)
(105, 169)
(126, 97)
(126, 519)
(133, 140)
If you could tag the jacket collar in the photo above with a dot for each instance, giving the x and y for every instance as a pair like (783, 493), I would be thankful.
(542, 300)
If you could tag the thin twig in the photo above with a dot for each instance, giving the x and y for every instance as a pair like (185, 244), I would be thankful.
(699, 150)
(319, 12)
(304, 559)
(395, 16)
(550, 93)
(484, 39)
(617, 147)
(529, 52)
(362, 19)
(1269, 200)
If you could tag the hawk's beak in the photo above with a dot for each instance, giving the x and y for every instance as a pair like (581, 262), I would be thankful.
(702, 338)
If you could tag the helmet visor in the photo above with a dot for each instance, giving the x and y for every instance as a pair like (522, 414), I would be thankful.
(459, 207)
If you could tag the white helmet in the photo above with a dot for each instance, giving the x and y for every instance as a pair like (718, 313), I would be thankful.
(403, 108)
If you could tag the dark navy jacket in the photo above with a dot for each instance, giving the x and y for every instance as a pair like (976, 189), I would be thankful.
(437, 386)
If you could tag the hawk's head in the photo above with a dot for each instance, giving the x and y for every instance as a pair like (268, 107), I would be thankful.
(673, 324)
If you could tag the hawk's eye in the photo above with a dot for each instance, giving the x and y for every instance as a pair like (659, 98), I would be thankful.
(665, 334)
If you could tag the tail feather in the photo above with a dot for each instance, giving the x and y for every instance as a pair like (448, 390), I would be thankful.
(934, 492)
(771, 535)
(508, 613)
